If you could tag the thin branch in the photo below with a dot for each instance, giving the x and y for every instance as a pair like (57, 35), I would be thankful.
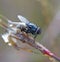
(29, 40)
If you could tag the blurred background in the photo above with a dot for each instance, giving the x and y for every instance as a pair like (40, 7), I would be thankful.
(45, 14)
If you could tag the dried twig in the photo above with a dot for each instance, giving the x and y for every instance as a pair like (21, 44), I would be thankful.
(29, 40)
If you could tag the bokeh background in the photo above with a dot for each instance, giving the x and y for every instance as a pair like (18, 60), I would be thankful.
(45, 14)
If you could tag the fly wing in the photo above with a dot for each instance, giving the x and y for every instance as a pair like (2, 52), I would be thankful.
(23, 19)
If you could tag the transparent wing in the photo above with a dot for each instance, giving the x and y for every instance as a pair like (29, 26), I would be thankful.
(23, 19)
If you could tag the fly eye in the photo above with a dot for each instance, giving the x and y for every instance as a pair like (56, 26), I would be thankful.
(38, 30)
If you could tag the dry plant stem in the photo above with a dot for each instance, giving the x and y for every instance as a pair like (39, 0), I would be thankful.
(29, 40)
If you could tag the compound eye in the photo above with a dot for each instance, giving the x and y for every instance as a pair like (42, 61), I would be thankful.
(38, 30)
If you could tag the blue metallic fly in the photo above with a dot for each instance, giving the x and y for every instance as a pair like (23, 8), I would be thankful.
(30, 27)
